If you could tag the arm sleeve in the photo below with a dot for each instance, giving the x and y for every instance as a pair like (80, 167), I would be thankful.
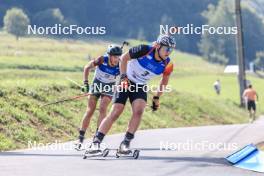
(98, 61)
(168, 69)
(139, 51)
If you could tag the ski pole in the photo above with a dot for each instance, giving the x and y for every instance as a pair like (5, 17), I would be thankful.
(67, 99)
(74, 82)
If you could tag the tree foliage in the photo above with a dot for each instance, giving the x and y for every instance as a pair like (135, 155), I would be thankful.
(222, 48)
(16, 22)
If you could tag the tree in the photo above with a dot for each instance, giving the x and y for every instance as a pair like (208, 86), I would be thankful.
(16, 22)
(49, 17)
(122, 18)
(221, 48)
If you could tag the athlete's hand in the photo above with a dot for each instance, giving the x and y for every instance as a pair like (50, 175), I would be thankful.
(85, 87)
(124, 81)
(155, 103)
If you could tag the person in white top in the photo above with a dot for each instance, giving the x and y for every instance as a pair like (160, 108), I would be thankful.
(217, 87)
(106, 74)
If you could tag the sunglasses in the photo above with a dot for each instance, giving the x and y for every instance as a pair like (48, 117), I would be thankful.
(168, 49)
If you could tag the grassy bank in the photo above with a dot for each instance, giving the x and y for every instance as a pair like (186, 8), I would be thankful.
(33, 72)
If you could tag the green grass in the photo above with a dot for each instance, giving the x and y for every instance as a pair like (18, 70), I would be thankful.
(193, 75)
(33, 72)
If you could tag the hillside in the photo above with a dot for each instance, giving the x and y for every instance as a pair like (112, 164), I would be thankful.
(33, 72)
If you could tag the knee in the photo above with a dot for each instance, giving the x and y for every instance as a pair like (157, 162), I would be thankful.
(89, 112)
(103, 110)
(138, 113)
(114, 115)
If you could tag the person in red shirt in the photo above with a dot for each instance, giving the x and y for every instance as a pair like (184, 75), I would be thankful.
(250, 96)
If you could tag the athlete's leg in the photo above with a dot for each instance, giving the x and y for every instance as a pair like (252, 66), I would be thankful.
(107, 122)
(120, 99)
(138, 100)
(105, 101)
(138, 107)
(117, 109)
(92, 101)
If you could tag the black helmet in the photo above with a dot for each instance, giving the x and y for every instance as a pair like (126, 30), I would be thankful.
(114, 50)
(166, 40)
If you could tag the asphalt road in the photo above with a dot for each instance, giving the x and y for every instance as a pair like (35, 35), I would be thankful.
(177, 151)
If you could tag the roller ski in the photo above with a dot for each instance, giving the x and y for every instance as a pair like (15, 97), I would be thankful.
(124, 151)
(95, 151)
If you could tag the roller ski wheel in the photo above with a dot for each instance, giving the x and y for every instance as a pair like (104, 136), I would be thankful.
(117, 155)
(96, 153)
(136, 154)
(105, 152)
(93, 153)
(130, 153)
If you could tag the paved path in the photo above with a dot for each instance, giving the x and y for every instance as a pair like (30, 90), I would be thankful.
(190, 151)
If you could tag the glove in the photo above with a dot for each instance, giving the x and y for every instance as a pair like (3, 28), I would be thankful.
(85, 87)
(155, 103)
(124, 81)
